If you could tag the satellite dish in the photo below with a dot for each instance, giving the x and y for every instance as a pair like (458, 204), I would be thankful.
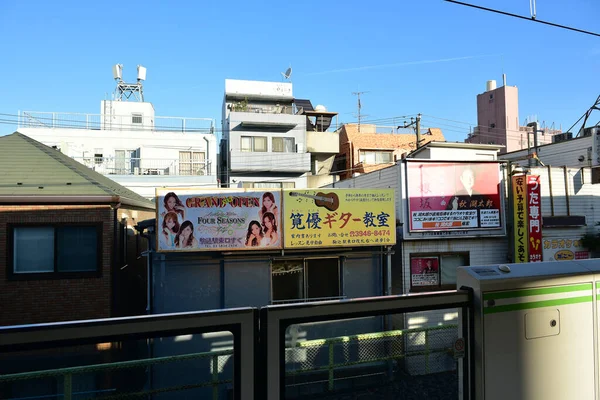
(287, 74)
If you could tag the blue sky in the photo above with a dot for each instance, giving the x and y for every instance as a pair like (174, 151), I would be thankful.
(57, 56)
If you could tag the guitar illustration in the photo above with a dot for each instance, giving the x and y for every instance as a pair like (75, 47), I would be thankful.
(330, 200)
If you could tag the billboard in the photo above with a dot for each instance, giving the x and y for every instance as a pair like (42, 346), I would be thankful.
(424, 271)
(452, 196)
(339, 218)
(209, 220)
(564, 248)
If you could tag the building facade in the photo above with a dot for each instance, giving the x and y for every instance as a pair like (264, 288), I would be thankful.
(365, 150)
(498, 120)
(129, 144)
(271, 139)
(66, 233)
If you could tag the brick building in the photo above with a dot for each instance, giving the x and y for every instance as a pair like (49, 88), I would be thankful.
(368, 151)
(69, 249)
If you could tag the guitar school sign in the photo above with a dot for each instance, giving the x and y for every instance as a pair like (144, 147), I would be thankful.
(339, 218)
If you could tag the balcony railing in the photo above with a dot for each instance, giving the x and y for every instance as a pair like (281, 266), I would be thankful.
(277, 352)
(36, 119)
(145, 166)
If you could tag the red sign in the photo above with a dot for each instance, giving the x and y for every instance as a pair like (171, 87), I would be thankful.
(424, 271)
(534, 218)
(445, 196)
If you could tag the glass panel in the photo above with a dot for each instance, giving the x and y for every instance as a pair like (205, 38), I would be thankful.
(197, 366)
(288, 185)
(33, 249)
(449, 264)
(277, 145)
(260, 143)
(287, 280)
(246, 143)
(289, 145)
(77, 248)
(394, 356)
(322, 278)
(386, 157)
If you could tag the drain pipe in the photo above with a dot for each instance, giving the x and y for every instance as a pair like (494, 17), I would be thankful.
(141, 228)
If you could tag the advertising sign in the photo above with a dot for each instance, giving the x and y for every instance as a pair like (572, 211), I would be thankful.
(564, 249)
(424, 271)
(339, 218)
(519, 186)
(595, 146)
(453, 196)
(197, 220)
(534, 218)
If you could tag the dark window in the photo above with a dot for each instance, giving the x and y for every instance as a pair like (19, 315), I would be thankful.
(305, 279)
(55, 249)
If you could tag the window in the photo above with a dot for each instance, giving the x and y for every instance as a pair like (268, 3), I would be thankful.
(268, 185)
(375, 157)
(435, 271)
(137, 119)
(254, 143)
(125, 162)
(55, 249)
(192, 163)
(283, 145)
(305, 279)
(98, 156)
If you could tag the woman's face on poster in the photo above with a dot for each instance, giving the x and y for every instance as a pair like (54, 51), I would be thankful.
(256, 230)
(171, 203)
(267, 202)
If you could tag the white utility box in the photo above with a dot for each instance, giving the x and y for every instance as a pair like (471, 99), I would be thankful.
(535, 330)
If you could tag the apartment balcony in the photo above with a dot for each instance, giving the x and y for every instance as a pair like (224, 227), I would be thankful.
(249, 120)
(322, 142)
(53, 120)
(146, 166)
(271, 162)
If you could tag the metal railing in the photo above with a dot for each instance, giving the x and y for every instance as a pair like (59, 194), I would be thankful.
(41, 119)
(145, 166)
(268, 361)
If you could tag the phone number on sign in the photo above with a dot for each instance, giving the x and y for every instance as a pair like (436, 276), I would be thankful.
(369, 233)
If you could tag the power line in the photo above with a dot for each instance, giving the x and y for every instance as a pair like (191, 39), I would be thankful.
(533, 18)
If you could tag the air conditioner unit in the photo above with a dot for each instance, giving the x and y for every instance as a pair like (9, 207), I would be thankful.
(559, 137)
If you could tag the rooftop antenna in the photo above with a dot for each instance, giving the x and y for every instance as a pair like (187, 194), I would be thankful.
(287, 74)
(126, 91)
(359, 107)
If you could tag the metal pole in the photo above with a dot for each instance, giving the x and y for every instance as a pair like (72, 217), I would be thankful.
(418, 130)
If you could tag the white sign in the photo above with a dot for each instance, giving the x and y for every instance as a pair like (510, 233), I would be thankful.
(595, 146)
(563, 248)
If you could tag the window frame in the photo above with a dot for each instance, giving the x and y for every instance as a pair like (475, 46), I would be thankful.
(362, 156)
(283, 139)
(439, 255)
(253, 144)
(305, 298)
(10, 262)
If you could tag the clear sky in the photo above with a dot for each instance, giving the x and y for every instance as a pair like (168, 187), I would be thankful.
(426, 56)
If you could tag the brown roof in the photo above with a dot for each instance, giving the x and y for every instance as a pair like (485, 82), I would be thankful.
(368, 139)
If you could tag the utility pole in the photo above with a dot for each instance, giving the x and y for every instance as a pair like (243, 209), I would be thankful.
(534, 125)
(357, 94)
(417, 124)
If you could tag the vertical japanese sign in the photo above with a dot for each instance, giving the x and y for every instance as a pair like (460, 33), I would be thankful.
(520, 218)
(534, 217)
(424, 271)
(339, 218)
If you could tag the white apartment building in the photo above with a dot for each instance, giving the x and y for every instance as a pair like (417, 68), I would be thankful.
(271, 139)
(128, 143)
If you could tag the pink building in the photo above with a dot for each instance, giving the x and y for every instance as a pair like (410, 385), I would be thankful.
(498, 120)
